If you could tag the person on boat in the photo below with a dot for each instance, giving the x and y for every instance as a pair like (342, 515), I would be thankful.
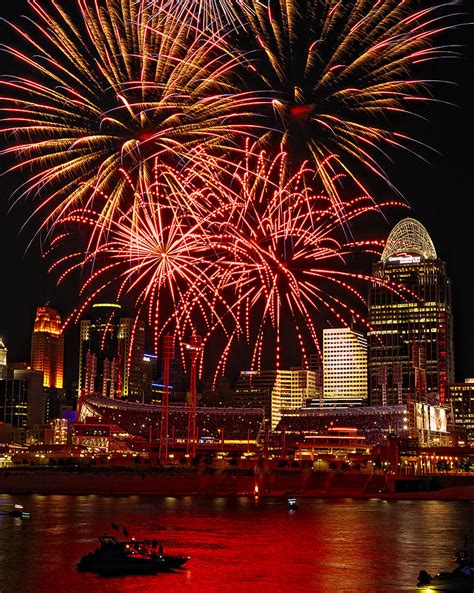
(424, 578)
(160, 550)
(154, 543)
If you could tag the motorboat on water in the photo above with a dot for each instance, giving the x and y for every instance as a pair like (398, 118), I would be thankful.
(116, 557)
(16, 511)
(293, 504)
(461, 579)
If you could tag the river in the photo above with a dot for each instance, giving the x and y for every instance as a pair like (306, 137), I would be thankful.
(237, 545)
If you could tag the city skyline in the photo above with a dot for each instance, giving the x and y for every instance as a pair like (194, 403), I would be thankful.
(74, 334)
(427, 184)
(237, 296)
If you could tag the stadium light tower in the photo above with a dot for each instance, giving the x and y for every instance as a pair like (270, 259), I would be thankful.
(194, 349)
(168, 355)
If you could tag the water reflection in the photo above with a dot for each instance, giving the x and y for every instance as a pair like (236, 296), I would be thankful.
(237, 545)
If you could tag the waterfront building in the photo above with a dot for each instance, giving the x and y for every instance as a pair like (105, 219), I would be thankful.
(215, 425)
(111, 353)
(47, 347)
(461, 396)
(344, 366)
(337, 402)
(60, 431)
(291, 391)
(315, 363)
(22, 399)
(254, 390)
(131, 337)
(151, 378)
(218, 393)
(410, 314)
(275, 390)
(3, 359)
(375, 424)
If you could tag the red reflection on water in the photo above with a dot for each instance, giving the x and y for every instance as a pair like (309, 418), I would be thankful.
(236, 545)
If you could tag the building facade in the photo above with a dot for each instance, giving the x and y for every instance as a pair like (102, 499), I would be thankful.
(47, 347)
(22, 399)
(344, 366)
(111, 354)
(411, 350)
(291, 391)
(254, 390)
(275, 390)
(461, 396)
(3, 359)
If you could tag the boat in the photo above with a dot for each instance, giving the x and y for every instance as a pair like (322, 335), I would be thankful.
(171, 560)
(174, 561)
(460, 579)
(118, 558)
(17, 511)
(292, 504)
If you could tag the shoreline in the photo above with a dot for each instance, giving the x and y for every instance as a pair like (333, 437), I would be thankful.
(277, 484)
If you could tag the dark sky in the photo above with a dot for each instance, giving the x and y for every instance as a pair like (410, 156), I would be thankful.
(440, 194)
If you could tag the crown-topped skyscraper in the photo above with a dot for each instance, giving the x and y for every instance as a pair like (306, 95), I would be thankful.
(47, 347)
(111, 354)
(411, 349)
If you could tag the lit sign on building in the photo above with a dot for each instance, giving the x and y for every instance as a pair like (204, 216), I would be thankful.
(431, 418)
(438, 421)
(405, 259)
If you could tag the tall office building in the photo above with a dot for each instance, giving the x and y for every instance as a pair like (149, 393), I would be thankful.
(291, 391)
(411, 340)
(315, 363)
(275, 391)
(344, 366)
(47, 347)
(22, 398)
(131, 337)
(461, 396)
(254, 390)
(3, 359)
(111, 354)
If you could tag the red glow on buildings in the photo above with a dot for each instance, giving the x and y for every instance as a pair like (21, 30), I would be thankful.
(47, 347)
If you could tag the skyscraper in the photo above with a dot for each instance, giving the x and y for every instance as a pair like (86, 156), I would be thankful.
(461, 395)
(291, 391)
(275, 391)
(411, 339)
(22, 398)
(47, 347)
(344, 366)
(111, 354)
(3, 359)
(131, 338)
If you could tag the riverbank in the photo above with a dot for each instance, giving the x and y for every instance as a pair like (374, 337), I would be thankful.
(234, 482)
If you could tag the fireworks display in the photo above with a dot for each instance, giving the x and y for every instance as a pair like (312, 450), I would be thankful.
(120, 84)
(256, 252)
(284, 252)
(340, 74)
(153, 251)
(213, 154)
(209, 14)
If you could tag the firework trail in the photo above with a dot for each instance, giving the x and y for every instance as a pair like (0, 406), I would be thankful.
(155, 251)
(284, 252)
(130, 119)
(216, 15)
(109, 85)
(342, 74)
(249, 254)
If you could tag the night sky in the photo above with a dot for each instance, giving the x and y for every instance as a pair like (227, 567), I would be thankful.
(440, 194)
